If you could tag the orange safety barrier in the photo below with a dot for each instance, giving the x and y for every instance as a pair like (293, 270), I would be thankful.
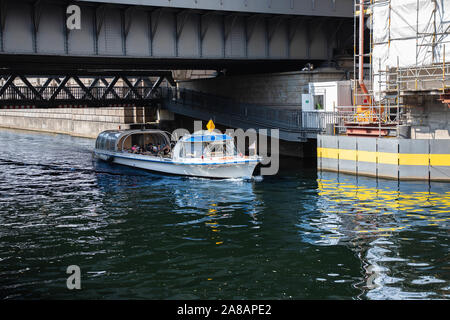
(367, 114)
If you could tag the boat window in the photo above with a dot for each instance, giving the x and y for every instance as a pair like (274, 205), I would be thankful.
(198, 150)
(182, 153)
(103, 142)
(98, 142)
(218, 149)
(107, 138)
(111, 143)
(191, 150)
(231, 148)
(214, 149)
(125, 143)
(116, 140)
(143, 143)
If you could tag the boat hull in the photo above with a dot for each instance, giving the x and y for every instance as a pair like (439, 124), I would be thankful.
(239, 169)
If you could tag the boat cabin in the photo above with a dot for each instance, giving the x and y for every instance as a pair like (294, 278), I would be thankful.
(147, 142)
(205, 145)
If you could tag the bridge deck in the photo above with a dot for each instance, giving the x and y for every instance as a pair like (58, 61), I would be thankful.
(171, 34)
(341, 8)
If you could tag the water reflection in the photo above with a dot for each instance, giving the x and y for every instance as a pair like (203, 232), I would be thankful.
(192, 202)
(137, 234)
(378, 220)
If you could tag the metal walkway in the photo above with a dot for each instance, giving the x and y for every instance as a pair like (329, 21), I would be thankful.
(294, 125)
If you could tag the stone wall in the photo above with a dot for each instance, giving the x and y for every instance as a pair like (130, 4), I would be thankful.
(275, 89)
(84, 122)
(429, 118)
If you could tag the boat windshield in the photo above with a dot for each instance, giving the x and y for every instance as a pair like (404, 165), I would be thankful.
(106, 140)
(208, 149)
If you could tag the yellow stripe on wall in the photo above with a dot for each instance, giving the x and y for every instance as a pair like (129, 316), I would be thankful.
(327, 153)
(367, 156)
(387, 157)
(346, 154)
(408, 159)
(440, 160)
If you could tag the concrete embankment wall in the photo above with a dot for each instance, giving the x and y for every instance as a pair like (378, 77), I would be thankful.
(83, 122)
(428, 116)
(403, 159)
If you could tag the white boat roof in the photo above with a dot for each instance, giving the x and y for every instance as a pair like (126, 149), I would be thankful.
(120, 133)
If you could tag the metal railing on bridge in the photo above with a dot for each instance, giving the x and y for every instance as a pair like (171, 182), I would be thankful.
(92, 89)
(288, 119)
(71, 93)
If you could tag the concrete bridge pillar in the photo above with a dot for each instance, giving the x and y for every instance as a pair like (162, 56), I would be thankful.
(165, 119)
(164, 115)
(139, 114)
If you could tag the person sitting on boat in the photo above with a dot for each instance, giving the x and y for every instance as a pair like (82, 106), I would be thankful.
(149, 147)
(164, 149)
(135, 149)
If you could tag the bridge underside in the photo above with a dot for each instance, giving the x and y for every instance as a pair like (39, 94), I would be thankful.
(124, 36)
(42, 65)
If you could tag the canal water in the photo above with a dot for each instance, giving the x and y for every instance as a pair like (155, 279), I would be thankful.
(138, 235)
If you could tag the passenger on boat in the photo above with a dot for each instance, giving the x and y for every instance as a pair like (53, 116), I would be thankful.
(164, 149)
(135, 149)
(149, 147)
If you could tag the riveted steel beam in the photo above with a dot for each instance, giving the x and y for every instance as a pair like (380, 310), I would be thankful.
(83, 89)
(60, 87)
(67, 90)
(110, 88)
(37, 94)
(8, 82)
(155, 87)
(132, 87)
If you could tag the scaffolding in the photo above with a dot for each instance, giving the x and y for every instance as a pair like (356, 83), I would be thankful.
(393, 72)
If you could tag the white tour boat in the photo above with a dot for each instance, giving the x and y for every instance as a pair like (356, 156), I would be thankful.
(208, 154)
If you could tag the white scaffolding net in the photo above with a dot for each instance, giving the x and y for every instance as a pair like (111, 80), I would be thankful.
(408, 34)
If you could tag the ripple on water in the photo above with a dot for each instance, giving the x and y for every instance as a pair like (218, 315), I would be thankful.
(136, 234)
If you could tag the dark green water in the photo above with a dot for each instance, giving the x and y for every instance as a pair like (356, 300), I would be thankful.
(135, 234)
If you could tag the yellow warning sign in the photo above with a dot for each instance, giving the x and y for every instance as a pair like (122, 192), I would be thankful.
(210, 126)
